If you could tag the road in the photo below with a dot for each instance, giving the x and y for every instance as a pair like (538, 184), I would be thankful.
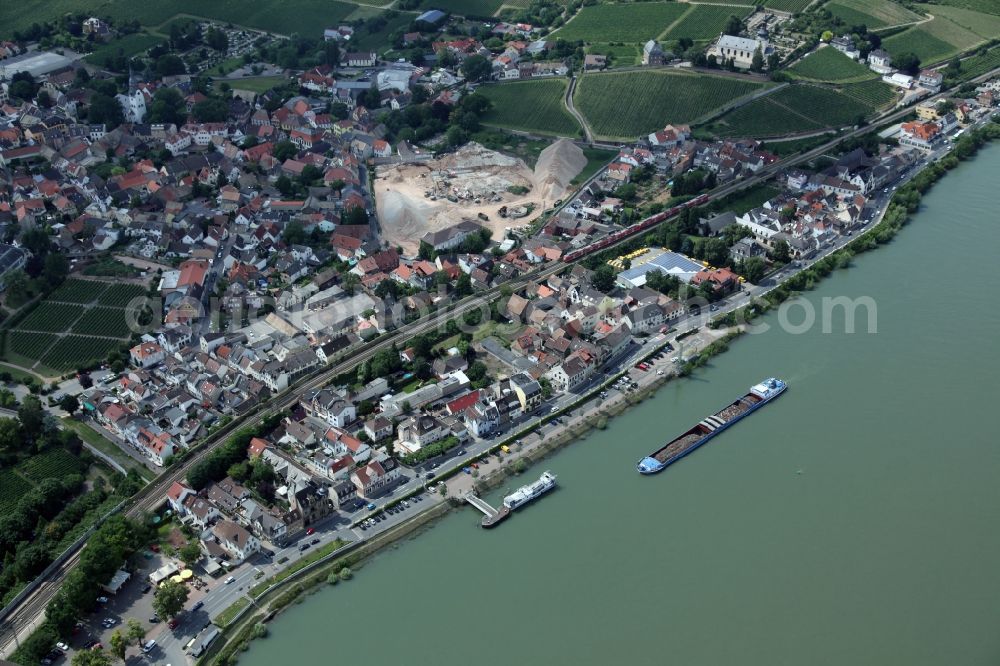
(23, 619)
(570, 89)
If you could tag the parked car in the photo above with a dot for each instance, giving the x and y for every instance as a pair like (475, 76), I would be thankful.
(63, 647)
(197, 606)
(230, 580)
(148, 647)
(102, 600)
(154, 619)
(310, 531)
(371, 506)
(173, 623)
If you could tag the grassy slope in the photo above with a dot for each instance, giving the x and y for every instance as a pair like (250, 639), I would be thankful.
(830, 65)
(629, 104)
(632, 23)
(531, 106)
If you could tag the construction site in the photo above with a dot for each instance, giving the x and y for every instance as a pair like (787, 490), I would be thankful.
(496, 190)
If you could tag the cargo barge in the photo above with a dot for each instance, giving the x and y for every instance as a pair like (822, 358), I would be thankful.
(758, 396)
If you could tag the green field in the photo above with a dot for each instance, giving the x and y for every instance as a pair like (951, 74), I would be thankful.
(104, 322)
(379, 40)
(874, 93)
(988, 6)
(51, 317)
(872, 13)
(74, 351)
(79, 291)
(482, 8)
(704, 22)
(986, 26)
(12, 489)
(129, 45)
(978, 65)
(90, 314)
(119, 295)
(830, 65)
(306, 17)
(622, 55)
(55, 463)
(257, 84)
(940, 38)
(530, 106)
(629, 104)
(761, 118)
(632, 23)
(791, 110)
(791, 6)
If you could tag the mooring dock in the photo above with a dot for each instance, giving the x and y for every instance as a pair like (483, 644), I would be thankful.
(491, 516)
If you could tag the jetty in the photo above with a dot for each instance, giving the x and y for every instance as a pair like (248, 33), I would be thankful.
(491, 517)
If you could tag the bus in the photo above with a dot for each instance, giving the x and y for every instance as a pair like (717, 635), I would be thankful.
(202, 641)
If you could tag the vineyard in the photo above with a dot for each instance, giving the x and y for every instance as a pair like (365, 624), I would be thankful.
(830, 65)
(12, 489)
(875, 93)
(704, 22)
(633, 23)
(53, 317)
(78, 309)
(980, 64)
(119, 295)
(984, 25)
(629, 104)
(950, 32)
(531, 106)
(790, 6)
(53, 464)
(872, 13)
(480, 8)
(800, 108)
(106, 322)
(75, 351)
(78, 291)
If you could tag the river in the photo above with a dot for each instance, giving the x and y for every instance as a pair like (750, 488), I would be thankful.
(851, 522)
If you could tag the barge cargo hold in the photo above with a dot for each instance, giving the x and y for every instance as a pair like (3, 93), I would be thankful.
(758, 396)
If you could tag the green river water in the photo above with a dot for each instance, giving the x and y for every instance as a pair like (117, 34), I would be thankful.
(853, 521)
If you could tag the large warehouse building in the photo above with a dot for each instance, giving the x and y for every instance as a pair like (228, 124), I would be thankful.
(668, 263)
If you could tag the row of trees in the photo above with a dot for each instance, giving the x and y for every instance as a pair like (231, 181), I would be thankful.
(106, 552)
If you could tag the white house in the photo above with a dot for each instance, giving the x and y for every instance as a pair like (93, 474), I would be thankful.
(739, 49)
(235, 540)
(374, 479)
(133, 106)
(880, 61)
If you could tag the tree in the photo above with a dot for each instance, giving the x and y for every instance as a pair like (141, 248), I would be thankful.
(216, 39)
(463, 286)
(826, 36)
(190, 552)
(134, 633)
(91, 658)
(69, 403)
(169, 65)
(753, 269)
(117, 645)
(210, 111)
(169, 599)
(168, 107)
(716, 251)
(106, 110)
(284, 150)
(908, 63)
(32, 417)
(425, 251)
(757, 64)
(781, 252)
(17, 286)
(349, 282)
(734, 26)
(604, 278)
(477, 68)
(56, 269)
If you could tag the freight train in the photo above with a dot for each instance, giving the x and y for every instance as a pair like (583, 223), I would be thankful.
(632, 230)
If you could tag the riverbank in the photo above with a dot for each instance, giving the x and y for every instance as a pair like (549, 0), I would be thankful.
(880, 234)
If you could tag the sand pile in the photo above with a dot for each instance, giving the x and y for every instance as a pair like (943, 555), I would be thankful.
(473, 184)
(557, 166)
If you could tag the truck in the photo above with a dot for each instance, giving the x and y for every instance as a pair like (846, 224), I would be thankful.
(200, 643)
